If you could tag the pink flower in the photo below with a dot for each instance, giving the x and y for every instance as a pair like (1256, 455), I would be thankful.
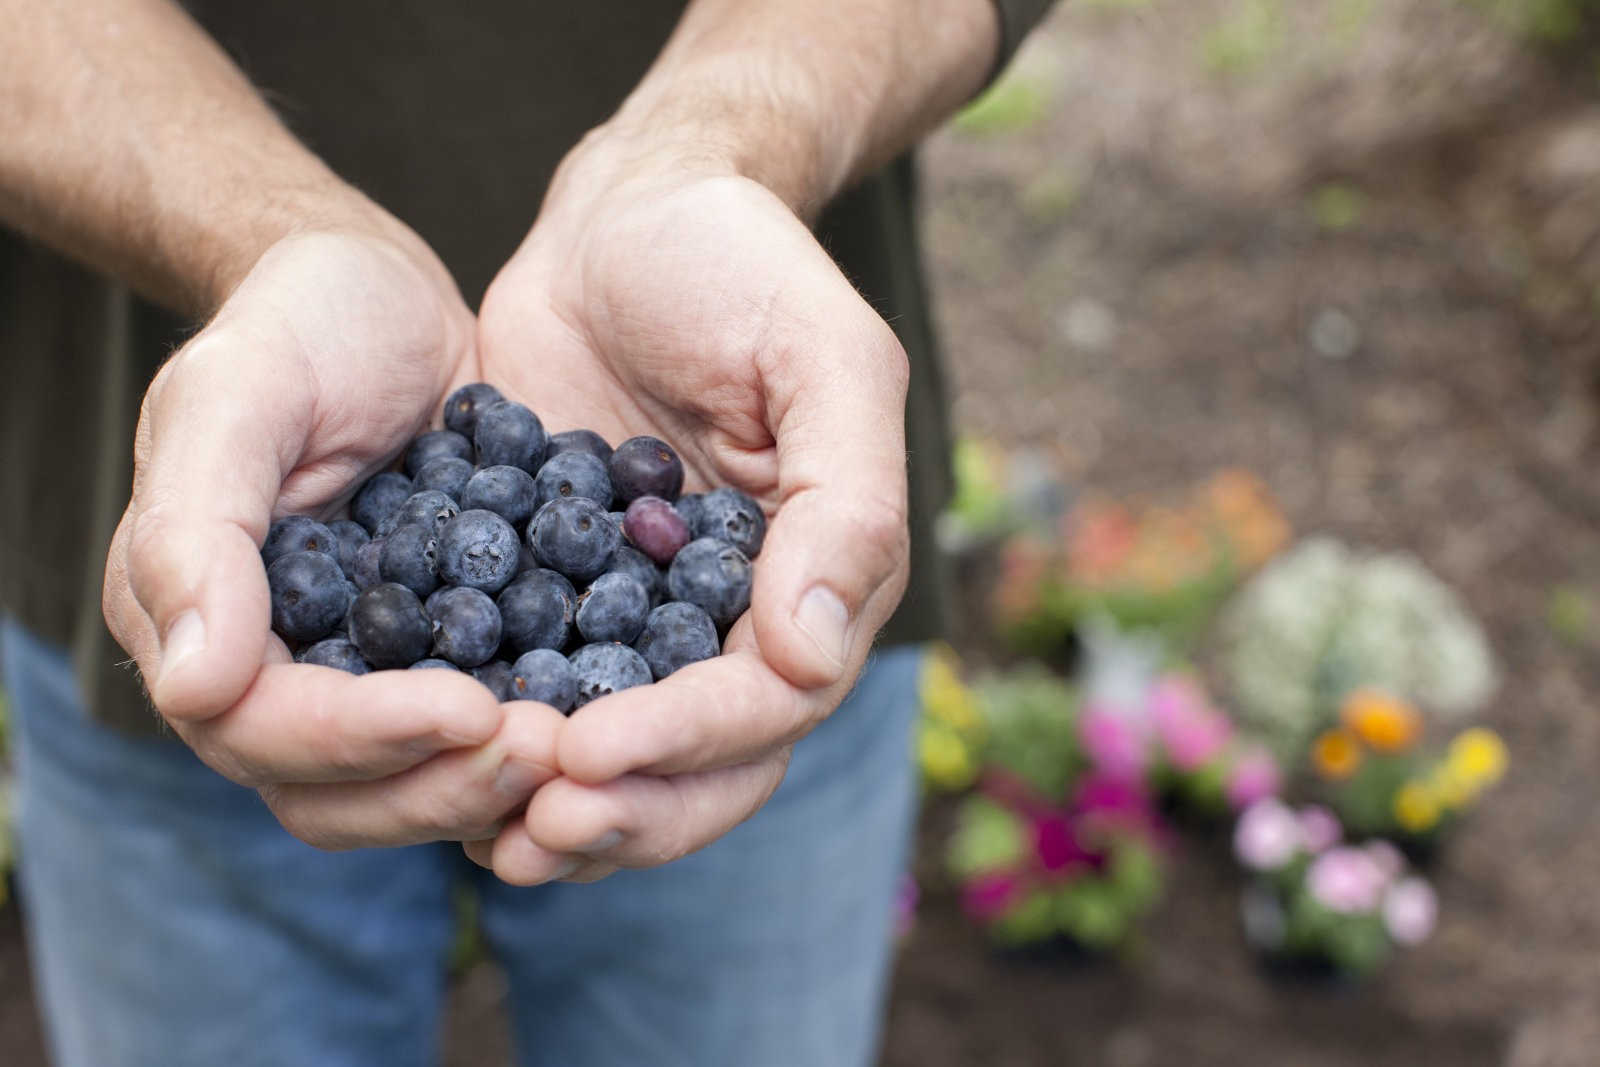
(1346, 880)
(1254, 775)
(1319, 828)
(1192, 732)
(987, 896)
(1267, 835)
(1055, 844)
(1113, 741)
(1388, 858)
(1410, 910)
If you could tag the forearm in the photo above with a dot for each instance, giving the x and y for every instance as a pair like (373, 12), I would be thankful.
(804, 97)
(129, 141)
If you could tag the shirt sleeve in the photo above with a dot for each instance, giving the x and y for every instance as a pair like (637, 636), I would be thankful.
(1017, 20)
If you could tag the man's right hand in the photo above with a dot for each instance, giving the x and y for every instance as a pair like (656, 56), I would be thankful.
(332, 353)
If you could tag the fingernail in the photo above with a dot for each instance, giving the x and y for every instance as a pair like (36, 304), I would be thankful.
(565, 869)
(516, 778)
(186, 640)
(822, 617)
(603, 842)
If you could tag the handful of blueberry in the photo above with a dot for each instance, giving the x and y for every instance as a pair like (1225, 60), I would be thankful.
(473, 559)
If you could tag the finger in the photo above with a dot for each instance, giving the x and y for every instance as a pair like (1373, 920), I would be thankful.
(516, 860)
(726, 710)
(306, 724)
(218, 451)
(645, 821)
(839, 537)
(457, 796)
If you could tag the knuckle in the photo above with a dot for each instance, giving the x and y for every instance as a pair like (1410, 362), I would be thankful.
(879, 522)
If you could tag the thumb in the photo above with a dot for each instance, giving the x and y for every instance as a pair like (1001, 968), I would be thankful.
(834, 563)
(216, 437)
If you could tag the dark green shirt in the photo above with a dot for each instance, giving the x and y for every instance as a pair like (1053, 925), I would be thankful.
(453, 117)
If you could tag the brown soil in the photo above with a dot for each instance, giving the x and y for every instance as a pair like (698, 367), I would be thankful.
(1139, 285)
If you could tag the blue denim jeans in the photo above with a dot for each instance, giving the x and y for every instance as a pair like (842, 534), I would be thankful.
(173, 923)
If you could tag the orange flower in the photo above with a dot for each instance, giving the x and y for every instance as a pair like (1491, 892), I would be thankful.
(1385, 723)
(1336, 754)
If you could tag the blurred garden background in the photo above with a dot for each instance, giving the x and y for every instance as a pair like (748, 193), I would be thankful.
(1269, 731)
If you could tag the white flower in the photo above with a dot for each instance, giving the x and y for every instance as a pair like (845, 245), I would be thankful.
(1267, 835)
(1410, 910)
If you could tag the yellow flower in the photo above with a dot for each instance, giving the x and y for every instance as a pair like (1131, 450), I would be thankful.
(944, 696)
(1453, 792)
(1477, 757)
(1385, 723)
(946, 760)
(1416, 807)
(1336, 754)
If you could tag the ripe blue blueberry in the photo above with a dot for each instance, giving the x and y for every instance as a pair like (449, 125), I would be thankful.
(676, 635)
(336, 652)
(433, 663)
(433, 445)
(462, 406)
(429, 507)
(509, 492)
(547, 676)
(574, 474)
(309, 595)
(466, 626)
(448, 474)
(630, 561)
(351, 536)
(411, 557)
(389, 627)
(713, 574)
(688, 508)
(579, 441)
(297, 533)
(479, 549)
(508, 433)
(613, 608)
(376, 500)
(734, 517)
(537, 610)
(645, 466)
(368, 570)
(606, 669)
(655, 528)
(496, 677)
(573, 535)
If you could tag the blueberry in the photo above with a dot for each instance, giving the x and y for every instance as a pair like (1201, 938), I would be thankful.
(433, 663)
(433, 445)
(657, 530)
(368, 570)
(688, 508)
(579, 441)
(448, 474)
(297, 533)
(612, 609)
(389, 627)
(608, 668)
(573, 535)
(509, 492)
(462, 406)
(713, 574)
(537, 611)
(645, 466)
(676, 635)
(466, 626)
(411, 557)
(379, 498)
(496, 677)
(430, 508)
(309, 595)
(630, 561)
(574, 474)
(734, 517)
(336, 652)
(479, 549)
(508, 433)
(351, 536)
(546, 676)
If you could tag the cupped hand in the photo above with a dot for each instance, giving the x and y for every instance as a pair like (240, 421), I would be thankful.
(326, 359)
(655, 298)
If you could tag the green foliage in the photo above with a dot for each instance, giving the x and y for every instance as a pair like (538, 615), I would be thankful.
(987, 838)
(1570, 614)
(1549, 21)
(1243, 42)
(1031, 717)
(979, 502)
(1013, 103)
(1337, 207)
